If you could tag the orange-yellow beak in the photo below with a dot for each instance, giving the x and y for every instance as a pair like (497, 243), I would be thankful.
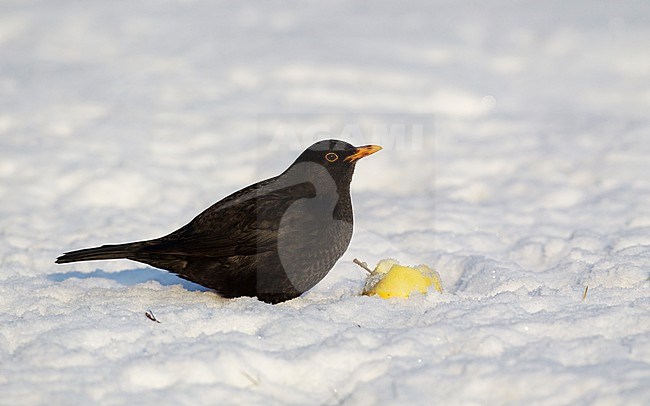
(360, 152)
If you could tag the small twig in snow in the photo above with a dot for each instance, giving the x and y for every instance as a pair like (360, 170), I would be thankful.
(584, 295)
(362, 265)
(254, 381)
(151, 316)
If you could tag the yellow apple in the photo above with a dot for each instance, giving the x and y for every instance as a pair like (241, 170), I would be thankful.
(390, 279)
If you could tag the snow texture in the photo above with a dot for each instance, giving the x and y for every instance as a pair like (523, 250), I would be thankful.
(522, 177)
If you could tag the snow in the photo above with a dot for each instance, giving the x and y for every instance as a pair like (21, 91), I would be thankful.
(529, 184)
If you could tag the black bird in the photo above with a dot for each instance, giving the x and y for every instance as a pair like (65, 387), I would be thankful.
(275, 239)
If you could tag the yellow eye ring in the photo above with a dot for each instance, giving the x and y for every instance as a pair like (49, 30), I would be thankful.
(331, 157)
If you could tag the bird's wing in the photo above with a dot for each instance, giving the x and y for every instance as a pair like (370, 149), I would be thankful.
(246, 225)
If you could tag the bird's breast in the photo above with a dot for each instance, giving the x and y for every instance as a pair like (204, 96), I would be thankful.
(311, 238)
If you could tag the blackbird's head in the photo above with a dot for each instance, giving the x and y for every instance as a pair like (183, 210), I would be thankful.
(336, 153)
(337, 157)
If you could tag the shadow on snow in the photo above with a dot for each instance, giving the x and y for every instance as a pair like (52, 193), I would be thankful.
(131, 277)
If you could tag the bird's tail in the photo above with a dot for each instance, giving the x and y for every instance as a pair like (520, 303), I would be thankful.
(117, 251)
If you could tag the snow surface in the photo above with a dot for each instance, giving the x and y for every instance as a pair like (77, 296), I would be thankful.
(122, 120)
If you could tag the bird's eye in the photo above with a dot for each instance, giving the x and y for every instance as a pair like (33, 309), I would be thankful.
(331, 157)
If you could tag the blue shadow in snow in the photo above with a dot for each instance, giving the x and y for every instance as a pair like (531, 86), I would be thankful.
(132, 277)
